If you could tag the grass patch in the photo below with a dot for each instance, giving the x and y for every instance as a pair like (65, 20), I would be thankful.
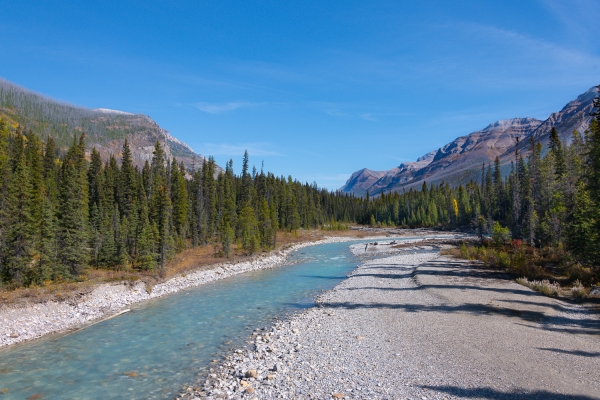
(578, 291)
(541, 269)
(545, 287)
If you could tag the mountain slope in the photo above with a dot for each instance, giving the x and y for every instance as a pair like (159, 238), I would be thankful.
(105, 129)
(361, 181)
(460, 161)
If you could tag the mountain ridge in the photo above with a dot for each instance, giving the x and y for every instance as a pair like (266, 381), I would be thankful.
(105, 129)
(460, 160)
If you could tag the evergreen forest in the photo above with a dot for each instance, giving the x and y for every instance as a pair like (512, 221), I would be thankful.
(62, 212)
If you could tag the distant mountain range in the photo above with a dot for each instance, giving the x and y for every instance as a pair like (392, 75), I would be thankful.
(460, 161)
(105, 129)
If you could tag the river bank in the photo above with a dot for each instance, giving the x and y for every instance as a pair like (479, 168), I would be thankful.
(19, 323)
(418, 325)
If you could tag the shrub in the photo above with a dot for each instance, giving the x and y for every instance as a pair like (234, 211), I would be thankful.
(503, 259)
(500, 234)
(578, 291)
(464, 251)
(578, 273)
(516, 243)
(544, 286)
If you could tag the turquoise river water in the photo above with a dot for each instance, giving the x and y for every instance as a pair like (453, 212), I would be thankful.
(162, 344)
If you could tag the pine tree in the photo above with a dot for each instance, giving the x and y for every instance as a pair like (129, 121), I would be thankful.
(73, 212)
(250, 234)
(498, 191)
(592, 180)
(5, 178)
(265, 224)
(33, 156)
(557, 152)
(20, 230)
(246, 186)
(179, 198)
(127, 182)
(108, 255)
(227, 239)
(47, 268)
(582, 239)
(95, 180)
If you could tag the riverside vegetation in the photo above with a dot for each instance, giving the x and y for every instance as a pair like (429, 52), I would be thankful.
(544, 216)
(63, 211)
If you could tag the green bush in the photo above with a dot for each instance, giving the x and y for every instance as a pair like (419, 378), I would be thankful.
(503, 259)
(580, 274)
(500, 234)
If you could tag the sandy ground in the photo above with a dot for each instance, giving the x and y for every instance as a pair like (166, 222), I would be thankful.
(417, 325)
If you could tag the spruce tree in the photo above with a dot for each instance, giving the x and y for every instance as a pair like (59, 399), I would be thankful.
(19, 242)
(146, 254)
(127, 182)
(592, 180)
(47, 268)
(556, 149)
(582, 237)
(179, 198)
(73, 212)
(250, 234)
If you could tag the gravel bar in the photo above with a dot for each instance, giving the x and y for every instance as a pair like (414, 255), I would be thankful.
(21, 323)
(417, 325)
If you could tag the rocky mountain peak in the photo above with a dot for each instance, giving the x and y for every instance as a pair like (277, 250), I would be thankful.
(460, 161)
(513, 122)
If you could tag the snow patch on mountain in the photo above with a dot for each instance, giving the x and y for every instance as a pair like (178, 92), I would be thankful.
(109, 111)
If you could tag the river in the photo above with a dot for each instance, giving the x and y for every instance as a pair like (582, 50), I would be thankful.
(163, 344)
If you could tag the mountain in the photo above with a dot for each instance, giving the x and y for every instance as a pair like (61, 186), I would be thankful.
(365, 179)
(105, 129)
(361, 180)
(460, 161)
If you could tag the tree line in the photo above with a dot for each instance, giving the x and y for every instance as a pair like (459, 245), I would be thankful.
(48, 116)
(551, 197)
(63, 213)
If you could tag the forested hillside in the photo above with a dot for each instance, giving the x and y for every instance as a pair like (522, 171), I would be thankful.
(61, 214)
(105, 129)
(550, 198)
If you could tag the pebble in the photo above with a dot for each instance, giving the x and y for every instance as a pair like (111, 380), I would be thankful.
(379, 349)
(313, 356)
(21, 323)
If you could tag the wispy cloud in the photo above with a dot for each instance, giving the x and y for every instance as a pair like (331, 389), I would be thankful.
(254, 149)
(531, 61)
(367, 117)
(578, 18)
(220, 108)
(346, 112)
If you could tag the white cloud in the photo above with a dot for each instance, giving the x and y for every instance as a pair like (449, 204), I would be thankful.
(220, 108)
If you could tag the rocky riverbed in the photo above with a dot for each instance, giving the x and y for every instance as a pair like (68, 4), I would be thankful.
(417, 325)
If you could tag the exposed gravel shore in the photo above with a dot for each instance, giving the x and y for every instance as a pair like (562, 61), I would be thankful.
(418, 325)
(21, 323)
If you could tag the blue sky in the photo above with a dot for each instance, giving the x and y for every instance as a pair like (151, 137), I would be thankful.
(316, 90)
